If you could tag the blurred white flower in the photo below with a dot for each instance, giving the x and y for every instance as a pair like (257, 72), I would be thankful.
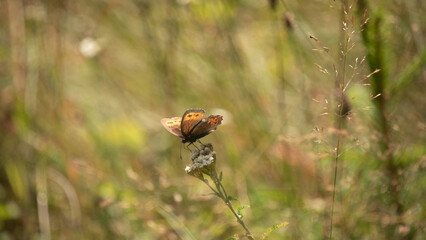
(89, 47)
(316, 204)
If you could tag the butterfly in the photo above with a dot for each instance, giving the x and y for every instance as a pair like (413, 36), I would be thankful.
(192, 125)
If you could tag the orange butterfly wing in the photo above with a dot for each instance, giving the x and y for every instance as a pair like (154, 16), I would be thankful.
(205, 126)
(192, 126)
(189, 120)
(173, 125)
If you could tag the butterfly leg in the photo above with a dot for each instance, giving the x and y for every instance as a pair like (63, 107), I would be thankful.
(202, 144)
(187, 147)
(194, 146)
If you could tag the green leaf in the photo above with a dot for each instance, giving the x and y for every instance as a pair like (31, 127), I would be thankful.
(231, 198)
(272, 229)
(240, 208)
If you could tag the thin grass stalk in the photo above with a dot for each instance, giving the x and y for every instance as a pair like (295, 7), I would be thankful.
(340, 83)
(279, 59)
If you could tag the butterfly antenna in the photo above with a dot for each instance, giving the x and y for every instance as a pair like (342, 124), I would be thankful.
(180, 151)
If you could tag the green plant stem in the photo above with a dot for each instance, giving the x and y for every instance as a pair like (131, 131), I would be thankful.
(221, 192)
(340, 85)
(208, 184)
(336, 158)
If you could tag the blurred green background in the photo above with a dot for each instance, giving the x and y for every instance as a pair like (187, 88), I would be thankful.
(84, 85)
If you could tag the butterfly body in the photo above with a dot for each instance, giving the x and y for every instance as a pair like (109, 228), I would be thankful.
(192, 125)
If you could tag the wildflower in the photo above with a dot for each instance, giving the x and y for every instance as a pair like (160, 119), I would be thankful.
(203, 161)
